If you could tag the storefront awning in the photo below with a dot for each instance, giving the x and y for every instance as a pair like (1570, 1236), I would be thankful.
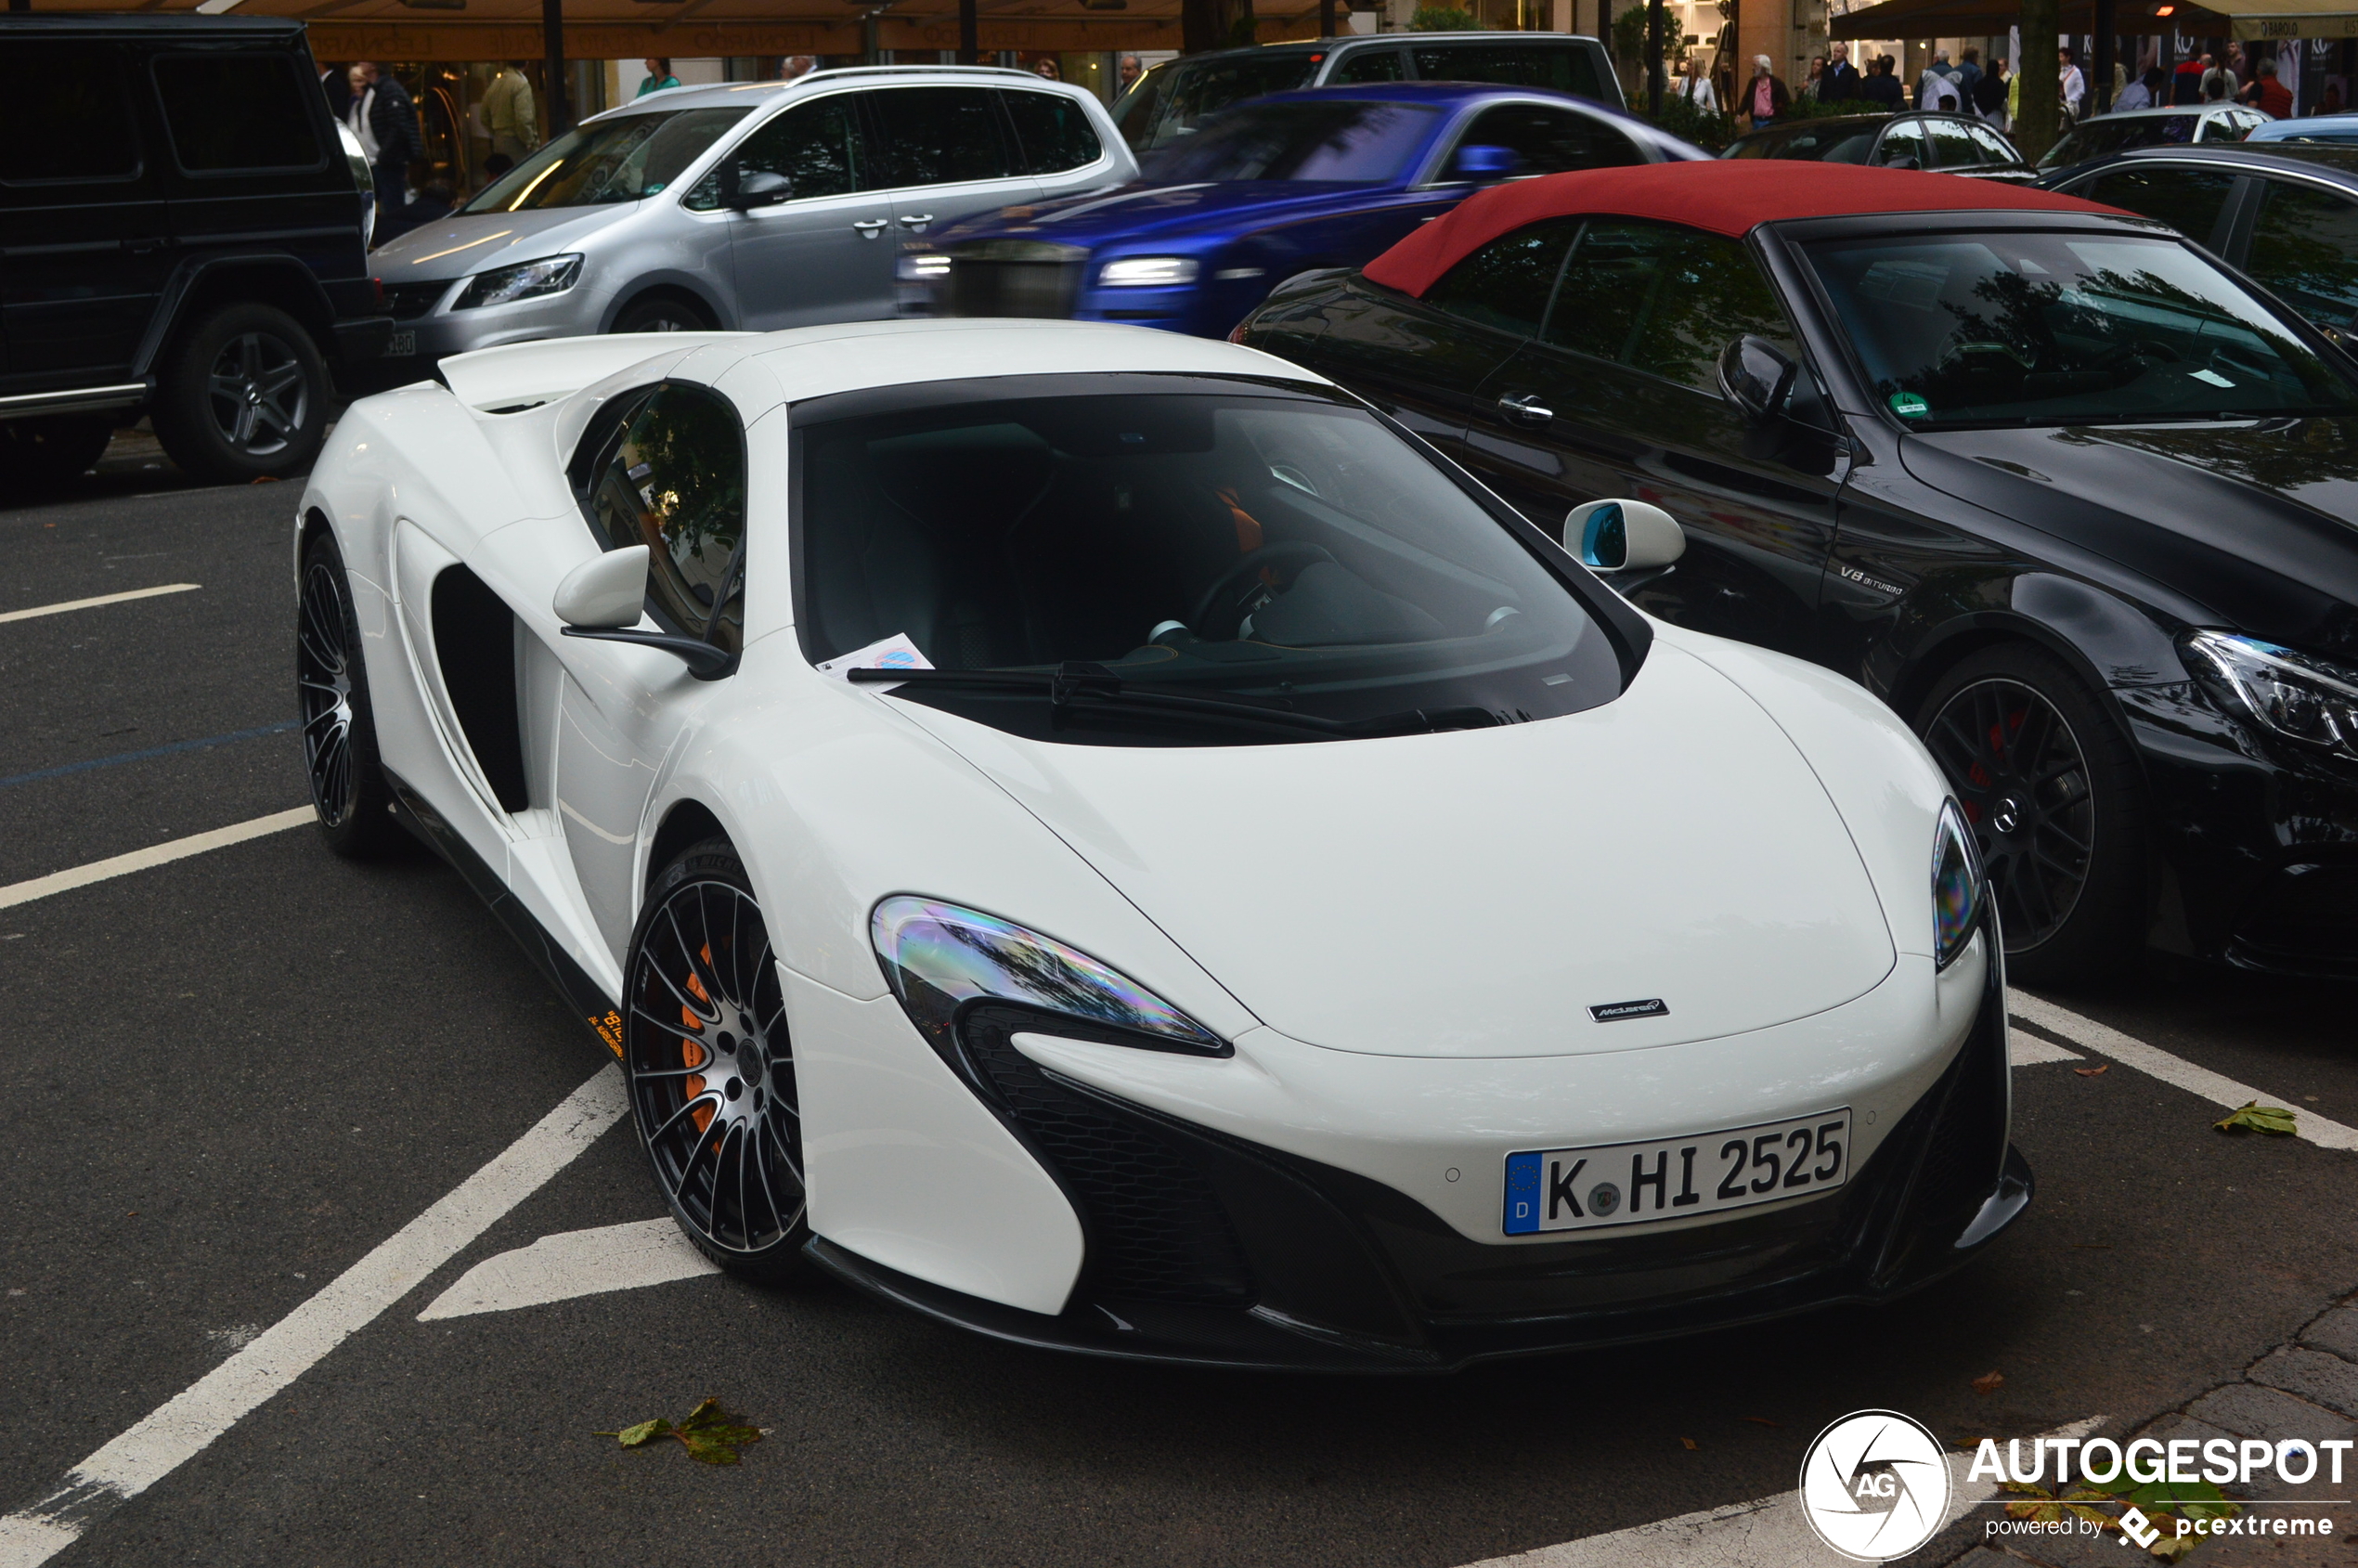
(2252, 19)
(1956, 19)
(1975, 19)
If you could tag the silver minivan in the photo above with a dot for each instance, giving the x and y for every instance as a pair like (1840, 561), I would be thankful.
(752, 204)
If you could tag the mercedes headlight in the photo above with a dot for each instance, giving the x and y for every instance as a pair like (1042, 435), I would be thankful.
(552, 275)
(1956, 886)
(939, 958)
(2307, 699)
(1148, 272)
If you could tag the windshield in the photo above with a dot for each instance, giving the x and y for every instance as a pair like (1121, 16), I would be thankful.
(623, 160)
(1173, 100)
(1359, 143)
(2062, 329)
(1281, 551)
(2102, 137)
(1837, 143)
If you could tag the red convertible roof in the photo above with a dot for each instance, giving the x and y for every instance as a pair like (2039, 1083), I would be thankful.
(1726, 195)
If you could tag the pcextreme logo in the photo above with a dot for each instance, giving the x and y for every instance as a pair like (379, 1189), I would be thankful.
(1875, 1485)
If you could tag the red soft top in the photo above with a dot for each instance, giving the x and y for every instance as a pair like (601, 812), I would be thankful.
(1727, 196)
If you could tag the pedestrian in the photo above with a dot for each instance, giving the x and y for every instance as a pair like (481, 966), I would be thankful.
(1968, 78)
(508, 112)
(1694, 85)
(1045, 68)
(2219, 84)
(1129, 71)
(2185, 82)
(1816, 78)
(386, 122)
(2070, 85)
(1937, 88)
(2329, 101)
(797, 67)
(1881, 86)
(337, 89)
(1989, 94)
(2144, 93)
(2269, 96)
(657, 78)
(1842, 77)
(1766, 97)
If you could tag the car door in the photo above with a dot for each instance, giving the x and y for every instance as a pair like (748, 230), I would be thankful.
(947, 153)
(2188, 197)
(1618, 395)
(822, 254)
(84, 228)
(2305, 249)
(666, 469)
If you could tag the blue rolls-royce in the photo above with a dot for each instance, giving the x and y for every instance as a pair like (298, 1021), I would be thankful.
(1287, 183)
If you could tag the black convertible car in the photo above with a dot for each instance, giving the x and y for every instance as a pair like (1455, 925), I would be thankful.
(2070, 495)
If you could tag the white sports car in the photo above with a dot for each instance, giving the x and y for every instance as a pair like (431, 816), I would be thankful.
(1105, 839)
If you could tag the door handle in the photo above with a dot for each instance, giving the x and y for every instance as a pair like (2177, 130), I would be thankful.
(1526, 408)
(917, 220)
(142, 246)
(869, 227)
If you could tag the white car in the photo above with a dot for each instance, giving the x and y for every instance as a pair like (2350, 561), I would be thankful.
(1103, 838)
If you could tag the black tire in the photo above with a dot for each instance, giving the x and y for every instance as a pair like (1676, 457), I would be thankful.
(661, 312)
(2057, 802)
(243, 396)
(733, 1175)
(348, 788)
(50, 450)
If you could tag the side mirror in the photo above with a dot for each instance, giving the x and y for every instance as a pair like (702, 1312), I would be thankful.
(1757, 376)
(1624, 536)
(603, 600)
(758, 188)
(1481, 162)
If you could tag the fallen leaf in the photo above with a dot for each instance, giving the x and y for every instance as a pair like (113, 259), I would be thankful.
(2171, 1546)
(2092, 1071)
(2196, 1500)
(2046, 1511)
(2257, 1116)
(710, 1433)
(1689, 1443)
(1763, 1421)
(1989, 1382)
(2094, 1516)
(633, 1436)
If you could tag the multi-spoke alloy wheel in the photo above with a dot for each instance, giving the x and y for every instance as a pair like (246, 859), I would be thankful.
(243, 393)
(258, 393)
(711, 1065)
(2053, 791)
(348, 786)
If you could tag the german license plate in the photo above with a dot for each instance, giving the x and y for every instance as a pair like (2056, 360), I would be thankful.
(1553, 1189)
(401, 343)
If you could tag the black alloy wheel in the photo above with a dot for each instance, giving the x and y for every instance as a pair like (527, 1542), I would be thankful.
(710, 1065)
(348, 787)
(2055, 800)
(244, 395)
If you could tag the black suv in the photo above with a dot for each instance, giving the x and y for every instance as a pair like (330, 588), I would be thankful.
(183, 232)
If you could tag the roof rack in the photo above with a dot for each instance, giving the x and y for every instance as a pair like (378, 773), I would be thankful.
(911, 70)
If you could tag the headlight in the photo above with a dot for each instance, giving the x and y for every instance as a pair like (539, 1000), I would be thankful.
(552, 274)
(939, 957)
(2308, 699)
(923, 267)
(1956, 886)
(1148, 272)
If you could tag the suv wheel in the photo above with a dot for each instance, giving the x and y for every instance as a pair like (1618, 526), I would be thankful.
(244, 395)
(52, 450)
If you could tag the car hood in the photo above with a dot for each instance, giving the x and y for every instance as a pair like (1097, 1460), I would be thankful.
(2257, 521)
(1475, 893)
(457, 246)
(1141, 210)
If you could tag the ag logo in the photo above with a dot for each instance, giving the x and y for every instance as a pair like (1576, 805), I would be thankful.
(1875, 1485)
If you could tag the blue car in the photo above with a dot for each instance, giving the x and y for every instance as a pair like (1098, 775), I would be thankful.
(1284, 185)
(2313, 128)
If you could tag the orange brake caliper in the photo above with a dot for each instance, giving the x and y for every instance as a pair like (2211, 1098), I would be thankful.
(692, 1052)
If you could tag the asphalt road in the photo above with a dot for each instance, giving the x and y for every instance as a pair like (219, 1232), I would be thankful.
(235, 1074)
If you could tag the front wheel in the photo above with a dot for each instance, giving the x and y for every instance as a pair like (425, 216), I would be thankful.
(348, 788)
(710, 1066)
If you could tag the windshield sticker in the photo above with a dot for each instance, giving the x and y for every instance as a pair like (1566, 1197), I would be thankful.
(2213, 377)
(894, 653)
(1909, 406)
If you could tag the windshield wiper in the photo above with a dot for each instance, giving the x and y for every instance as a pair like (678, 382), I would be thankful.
(1075, 686)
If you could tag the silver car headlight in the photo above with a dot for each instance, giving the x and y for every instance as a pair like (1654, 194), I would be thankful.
(552, 275)
(2307, 699)
(1148, 272)
(939, 958)
(1956, 886)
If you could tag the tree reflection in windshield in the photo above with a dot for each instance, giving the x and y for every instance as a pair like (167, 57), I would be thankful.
(623, 160)
(1365, 143)
(2052, 329)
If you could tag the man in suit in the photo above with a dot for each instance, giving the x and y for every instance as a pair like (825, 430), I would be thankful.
(1841, 80)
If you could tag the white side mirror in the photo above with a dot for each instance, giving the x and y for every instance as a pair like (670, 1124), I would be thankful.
(1624, 536)
(609, 591)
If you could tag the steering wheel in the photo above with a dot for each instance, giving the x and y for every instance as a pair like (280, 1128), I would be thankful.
(1225, 603)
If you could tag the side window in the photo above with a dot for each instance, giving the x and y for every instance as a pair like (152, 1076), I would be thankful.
(1664, 300)
(1567, 69)
(1505, 284)
(1051, 131)
(2187, 200)
(939, 136)
(1995, 149)
(237, 110)
(1369, 65)
(63, 116)
(2304, 246)
(672, 477)
(1952, 145)
(1903, 140)
(1549, 140)
(816, 145)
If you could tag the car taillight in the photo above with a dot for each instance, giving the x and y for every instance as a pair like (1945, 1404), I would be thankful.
(378, 285)
(1237, 332)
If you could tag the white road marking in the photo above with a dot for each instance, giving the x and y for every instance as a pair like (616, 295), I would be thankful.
(153, 855)
(1764, 1533)
(2028, 1050)
(577, 1263)
(2177, 1072)
(101, 599)
(182, 1427)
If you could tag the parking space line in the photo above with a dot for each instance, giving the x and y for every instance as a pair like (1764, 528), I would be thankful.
(185, 1425)
(94, 603)
(575, 1262)
(153, 855)
(2177, 1072)
(61, 770)
(2028, 1050)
